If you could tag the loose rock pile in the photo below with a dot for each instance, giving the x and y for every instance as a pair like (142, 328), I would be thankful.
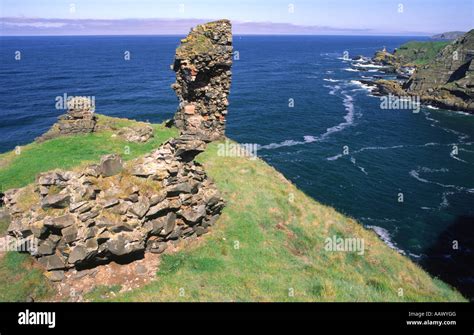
(109, 211)
(137, 134)
(79, 119)
(202, 65)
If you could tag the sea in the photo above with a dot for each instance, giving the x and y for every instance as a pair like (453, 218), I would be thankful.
(408, 175)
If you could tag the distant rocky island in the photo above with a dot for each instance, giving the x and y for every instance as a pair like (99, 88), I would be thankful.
(439, 73)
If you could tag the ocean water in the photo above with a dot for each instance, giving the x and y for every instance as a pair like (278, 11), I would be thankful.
(389, 152)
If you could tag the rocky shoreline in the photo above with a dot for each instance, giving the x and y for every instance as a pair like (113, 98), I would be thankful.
(445, 82)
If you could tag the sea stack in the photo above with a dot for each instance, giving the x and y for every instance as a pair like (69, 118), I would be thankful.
(202, 64)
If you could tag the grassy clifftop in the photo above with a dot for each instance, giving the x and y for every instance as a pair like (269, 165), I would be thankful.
(419, 53)
(267, 246)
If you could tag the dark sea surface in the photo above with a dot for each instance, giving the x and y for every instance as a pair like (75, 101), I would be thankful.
(390, 151)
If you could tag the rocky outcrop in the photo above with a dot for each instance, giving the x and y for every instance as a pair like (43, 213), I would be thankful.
(445, 81)
(79, 119)
(111, 211)
(386, 87)
(202, 65)
(138, 134)
(448, 81)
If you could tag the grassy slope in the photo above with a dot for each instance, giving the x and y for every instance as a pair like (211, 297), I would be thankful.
(66, 152)
(279, 231)
(419, 53)
(20, 277)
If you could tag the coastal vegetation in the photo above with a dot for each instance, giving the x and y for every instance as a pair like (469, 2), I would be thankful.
(268, 244)
(419, 52)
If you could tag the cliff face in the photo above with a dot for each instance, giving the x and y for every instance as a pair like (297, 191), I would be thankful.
(202, 65)
(448, 79)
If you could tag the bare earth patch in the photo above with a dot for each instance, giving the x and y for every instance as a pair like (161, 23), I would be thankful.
(77, 284)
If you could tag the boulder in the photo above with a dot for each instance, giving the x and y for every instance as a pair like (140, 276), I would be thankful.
(60, 200)
(111, 165)
(52, 262)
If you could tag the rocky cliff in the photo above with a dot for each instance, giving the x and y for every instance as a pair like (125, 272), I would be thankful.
(202, 65)
(445, 80)
(448, 80)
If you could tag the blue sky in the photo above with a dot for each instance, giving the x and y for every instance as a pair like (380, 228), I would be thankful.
(372, 16)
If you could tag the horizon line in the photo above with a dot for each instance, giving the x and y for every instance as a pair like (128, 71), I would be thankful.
(35, 26)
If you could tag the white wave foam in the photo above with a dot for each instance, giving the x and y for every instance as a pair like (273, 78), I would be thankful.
(362, 85)
(453, 156)
(386, 237)
(333, 158)
(288, 143)
(349, 120)
(331, 80)
(415, 174)
(353, 161)
(333, 89)
(429, 144)
(369, 66)
(431, 107)
(350, 69)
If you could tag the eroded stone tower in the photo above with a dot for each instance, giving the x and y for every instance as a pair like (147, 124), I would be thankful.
(202, 64)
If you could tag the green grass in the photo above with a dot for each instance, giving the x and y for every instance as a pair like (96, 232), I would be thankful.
(419, 53)
(268, 245)
(20, 279)
(102, 292)
(67, 152)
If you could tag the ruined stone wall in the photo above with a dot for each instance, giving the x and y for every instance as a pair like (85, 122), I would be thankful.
(202, 65)
(110, 210)
(79, 119)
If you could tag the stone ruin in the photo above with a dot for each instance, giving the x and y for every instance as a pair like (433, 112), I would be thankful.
(113, 211)
(79, 119)
(116, 211)
(202, 65)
